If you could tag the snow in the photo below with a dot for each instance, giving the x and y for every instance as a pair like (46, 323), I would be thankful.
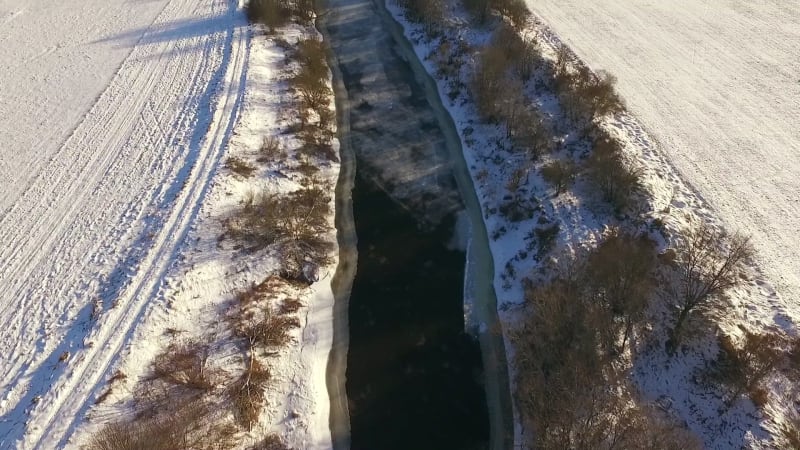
(117, 116)
(669, 382)
(716, 84)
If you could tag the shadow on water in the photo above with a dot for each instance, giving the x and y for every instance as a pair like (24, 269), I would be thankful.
(413, 375)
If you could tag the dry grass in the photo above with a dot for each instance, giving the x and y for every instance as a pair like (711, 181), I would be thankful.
(240, 167)
(247, 394)
(790, 433)
(271, 331)
(271, 442)
(297, 221)
(271, 13)
(256, 292)
(271, 150)
(185, 364)
(291, 306)
(188, 426)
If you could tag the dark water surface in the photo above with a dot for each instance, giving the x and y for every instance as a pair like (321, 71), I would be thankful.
(412, 373)
(414, 378)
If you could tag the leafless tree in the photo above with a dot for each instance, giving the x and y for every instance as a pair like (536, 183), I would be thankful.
(620, 272)
(709, 262)
(488, 81)
(560, 174)
(615, 178)
(478, 8)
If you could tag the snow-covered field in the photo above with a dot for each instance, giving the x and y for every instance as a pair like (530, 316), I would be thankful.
(115, 115)
(717, 84)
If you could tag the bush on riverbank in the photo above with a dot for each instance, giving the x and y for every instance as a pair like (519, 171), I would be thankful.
(277, 13)
(430, 13)
(505, 68)
(572, 388)
(271, 13)
(295, 221)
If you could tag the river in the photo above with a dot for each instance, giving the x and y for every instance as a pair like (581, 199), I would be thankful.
(403, 372)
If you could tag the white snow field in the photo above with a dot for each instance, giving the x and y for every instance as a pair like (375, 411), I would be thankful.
(717, 84)
(114, 117)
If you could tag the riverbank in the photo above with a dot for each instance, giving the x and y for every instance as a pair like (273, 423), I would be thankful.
(572, 221)
(222, 285)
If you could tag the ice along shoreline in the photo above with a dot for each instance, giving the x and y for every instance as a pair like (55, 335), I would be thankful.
(484, 307)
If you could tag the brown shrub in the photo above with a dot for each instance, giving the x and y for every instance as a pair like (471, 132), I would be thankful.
(136, 436)
(429, 13)
(302, 9)
(240, 166)
(271, 13)
(478, 8)
(118, 376)
(569, 391)
(584, 95)
(271, 150)
(620, 273)
(189, 426)
(615, 179)
(514, 10)
(271, 442)
(297, 221)
(546, 238)
(185, 364)
(314, 90)
(247, 394)
(255, 292)
(311, 54)
(522, 55)
(560, 174)
(741, 370)
(488, 82)
(270, 331)
(291, 306)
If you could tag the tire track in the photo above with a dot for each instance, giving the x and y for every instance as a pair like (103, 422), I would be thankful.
(114, 213)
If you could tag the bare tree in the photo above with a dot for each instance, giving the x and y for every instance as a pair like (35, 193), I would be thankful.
(488, 80)
(708, 266)
(522, 54)
(478, 8)
(620, 272)
(314, 91)
(611, 174)
(560, 174)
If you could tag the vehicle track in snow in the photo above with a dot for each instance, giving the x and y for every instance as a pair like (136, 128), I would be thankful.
(85, 245)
